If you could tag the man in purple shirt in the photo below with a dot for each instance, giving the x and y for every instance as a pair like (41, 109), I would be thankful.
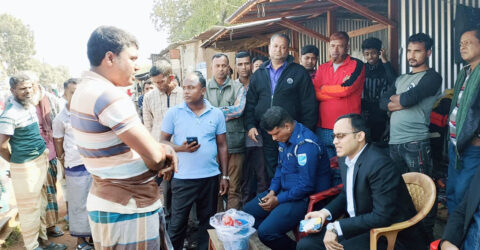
(290, 88)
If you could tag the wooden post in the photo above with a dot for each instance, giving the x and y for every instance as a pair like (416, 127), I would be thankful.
(295, 45)
(331, 23)
(393, 34)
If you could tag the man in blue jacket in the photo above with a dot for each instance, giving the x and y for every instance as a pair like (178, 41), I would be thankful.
(303, 169)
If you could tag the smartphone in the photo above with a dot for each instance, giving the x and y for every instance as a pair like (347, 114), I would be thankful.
(261, 201)
(192, 139)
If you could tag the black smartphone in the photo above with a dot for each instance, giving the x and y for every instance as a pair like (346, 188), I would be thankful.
(192, 139)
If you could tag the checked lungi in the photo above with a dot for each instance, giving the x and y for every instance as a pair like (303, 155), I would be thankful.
(51, 189)
(28, 180)
(78, 182)
(116, 231)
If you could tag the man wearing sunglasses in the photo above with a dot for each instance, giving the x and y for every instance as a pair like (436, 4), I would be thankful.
(374, 195)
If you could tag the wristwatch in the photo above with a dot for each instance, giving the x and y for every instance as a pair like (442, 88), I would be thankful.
(331, 228)
(226, 177)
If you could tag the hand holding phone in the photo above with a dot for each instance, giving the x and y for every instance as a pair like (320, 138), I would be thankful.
(191, 145)
(192, 139)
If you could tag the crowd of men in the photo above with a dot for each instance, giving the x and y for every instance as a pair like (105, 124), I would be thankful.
(261, 143)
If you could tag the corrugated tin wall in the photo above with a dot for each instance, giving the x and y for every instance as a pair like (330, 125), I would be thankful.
(435, 18)
(320, 25)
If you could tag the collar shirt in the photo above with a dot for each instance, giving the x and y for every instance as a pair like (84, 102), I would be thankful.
(275, 74)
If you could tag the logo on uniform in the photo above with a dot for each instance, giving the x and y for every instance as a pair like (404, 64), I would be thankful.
(411, 86)
(302, 159)
(289, 80)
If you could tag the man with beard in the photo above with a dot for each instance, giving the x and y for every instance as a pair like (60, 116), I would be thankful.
(47, 107)
(338, 86)
(411, 100)
(309, 59)
(28, 161)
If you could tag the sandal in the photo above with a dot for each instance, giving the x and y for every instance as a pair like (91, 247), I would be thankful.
(84, 246)
(55, 246)
(56, 233)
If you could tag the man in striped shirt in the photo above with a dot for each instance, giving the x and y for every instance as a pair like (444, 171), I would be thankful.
(124, 204)
(464, 122)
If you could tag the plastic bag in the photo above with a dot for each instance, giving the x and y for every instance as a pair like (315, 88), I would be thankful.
(233, 228)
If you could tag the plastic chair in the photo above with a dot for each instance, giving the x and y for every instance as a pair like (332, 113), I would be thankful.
(321, 196)
(423, 193)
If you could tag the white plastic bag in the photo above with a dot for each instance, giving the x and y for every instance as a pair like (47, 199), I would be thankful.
(233, 228)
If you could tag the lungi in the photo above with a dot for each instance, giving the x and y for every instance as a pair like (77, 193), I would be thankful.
(78, 182)
(51, 189)
(28, 180)
(129, 231)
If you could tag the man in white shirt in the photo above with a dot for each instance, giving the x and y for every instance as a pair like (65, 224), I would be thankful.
(374, 195)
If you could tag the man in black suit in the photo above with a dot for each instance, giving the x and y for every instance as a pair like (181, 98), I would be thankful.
(463, 225)
(374, 195)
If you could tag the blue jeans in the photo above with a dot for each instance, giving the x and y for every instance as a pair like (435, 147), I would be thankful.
(326, 138)
(416, 156)
(458, 180)
(272, 227)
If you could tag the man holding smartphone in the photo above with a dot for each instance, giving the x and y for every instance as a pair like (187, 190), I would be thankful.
(199, 134)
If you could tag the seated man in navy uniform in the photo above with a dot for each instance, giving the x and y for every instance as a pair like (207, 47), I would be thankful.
(303, 169)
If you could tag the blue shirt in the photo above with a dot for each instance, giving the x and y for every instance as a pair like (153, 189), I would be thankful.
(299, 175)
(181, 122)
(275, 74)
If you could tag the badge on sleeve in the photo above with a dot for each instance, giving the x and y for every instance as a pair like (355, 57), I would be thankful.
(289, 80)
(302, 159)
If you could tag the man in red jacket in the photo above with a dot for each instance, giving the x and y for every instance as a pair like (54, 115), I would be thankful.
(338, 86)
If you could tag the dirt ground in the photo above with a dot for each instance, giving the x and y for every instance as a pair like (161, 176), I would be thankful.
(70, 241)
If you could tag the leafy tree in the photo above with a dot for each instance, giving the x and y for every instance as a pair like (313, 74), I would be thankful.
(49, 75)
(16, 45)
(184, 19)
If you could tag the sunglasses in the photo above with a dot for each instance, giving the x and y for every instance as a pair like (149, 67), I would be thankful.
(341, 135)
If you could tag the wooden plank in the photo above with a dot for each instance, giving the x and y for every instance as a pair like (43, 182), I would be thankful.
(287, 13)
(302, 29)
(360, 9)
(393, 34)
(260, 52)
(235, 17)
(295, 45)
(298, 5)
(366, 30)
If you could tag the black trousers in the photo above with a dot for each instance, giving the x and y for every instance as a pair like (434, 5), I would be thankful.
(167, 200)
(254, 174)
(270, 152)
(185, 192)
(360, 242)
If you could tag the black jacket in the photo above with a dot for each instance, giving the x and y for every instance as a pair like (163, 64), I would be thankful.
(294, 92)
(471, 126)
(381, 198)
(459, 221)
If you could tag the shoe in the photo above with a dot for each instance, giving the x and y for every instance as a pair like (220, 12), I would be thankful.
(84, 246)
(55, 246)
(57, 233)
